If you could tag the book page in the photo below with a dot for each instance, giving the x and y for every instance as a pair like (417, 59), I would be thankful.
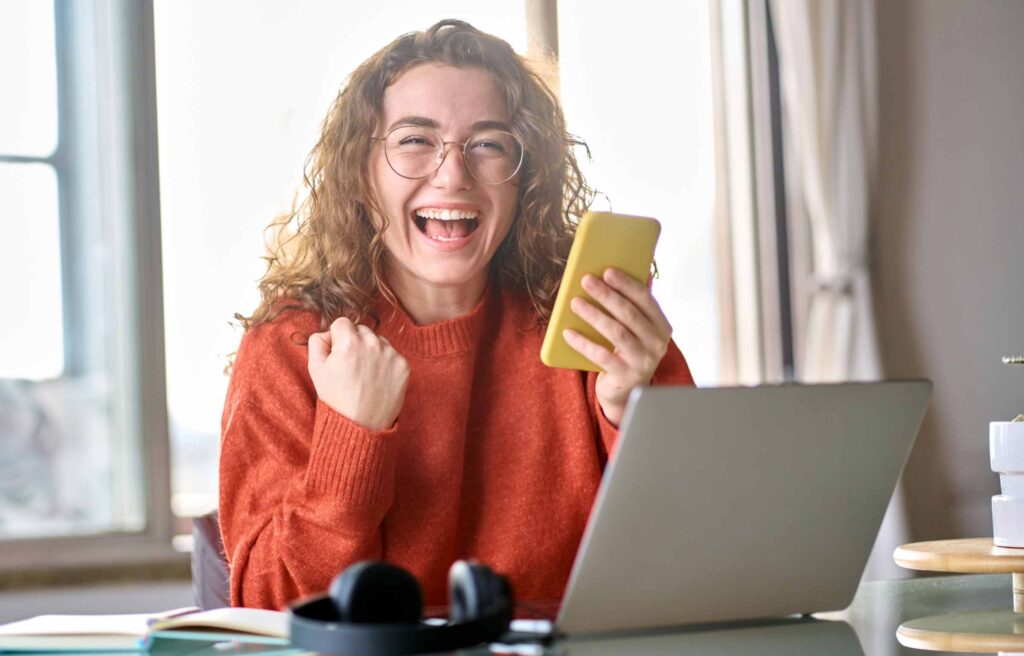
(136, 624)
(245, 620)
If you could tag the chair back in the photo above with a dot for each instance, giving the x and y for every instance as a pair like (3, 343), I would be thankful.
(210, 588)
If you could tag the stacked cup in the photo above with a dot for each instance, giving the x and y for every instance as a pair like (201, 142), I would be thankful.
(1006, 449)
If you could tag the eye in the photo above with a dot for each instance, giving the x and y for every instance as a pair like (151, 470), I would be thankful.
(413, 140)
(493, 144)
(488, 145)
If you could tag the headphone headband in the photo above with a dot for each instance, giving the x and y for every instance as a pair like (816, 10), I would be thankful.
(314, 626)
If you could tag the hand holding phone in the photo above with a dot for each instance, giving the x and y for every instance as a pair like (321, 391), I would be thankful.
(605, 318)
(603, 240)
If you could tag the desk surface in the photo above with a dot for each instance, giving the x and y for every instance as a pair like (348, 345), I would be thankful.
(867, 628)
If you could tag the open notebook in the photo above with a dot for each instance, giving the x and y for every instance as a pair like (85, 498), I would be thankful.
(136, 632)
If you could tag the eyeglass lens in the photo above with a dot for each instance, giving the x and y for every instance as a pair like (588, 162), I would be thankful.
(492, 156)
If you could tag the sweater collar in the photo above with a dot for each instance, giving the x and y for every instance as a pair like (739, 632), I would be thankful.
(444, 338)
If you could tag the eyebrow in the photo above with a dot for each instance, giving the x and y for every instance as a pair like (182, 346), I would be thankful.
(422, 121)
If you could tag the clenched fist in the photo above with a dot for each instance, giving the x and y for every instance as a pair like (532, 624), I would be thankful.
(358, 374)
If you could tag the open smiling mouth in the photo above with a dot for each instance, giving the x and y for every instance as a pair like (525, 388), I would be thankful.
(446, 225)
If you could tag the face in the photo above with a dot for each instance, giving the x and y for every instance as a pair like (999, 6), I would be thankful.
(423, 247)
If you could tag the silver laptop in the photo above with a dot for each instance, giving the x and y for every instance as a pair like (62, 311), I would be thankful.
(740, 503)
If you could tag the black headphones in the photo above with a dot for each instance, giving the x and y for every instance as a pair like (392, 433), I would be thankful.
(376, 608)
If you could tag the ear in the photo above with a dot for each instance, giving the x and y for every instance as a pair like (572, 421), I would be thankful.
(475, 591)
(372, 592)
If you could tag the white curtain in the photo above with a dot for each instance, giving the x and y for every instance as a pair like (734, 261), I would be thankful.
(828, 74)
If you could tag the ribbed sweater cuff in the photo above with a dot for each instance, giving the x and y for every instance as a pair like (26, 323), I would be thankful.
(352, 464)
(609, 433)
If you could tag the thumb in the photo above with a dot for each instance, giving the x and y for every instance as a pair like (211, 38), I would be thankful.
(319, 346)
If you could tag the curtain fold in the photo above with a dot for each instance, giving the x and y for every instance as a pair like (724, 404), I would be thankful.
(828, 78)
(828, 73)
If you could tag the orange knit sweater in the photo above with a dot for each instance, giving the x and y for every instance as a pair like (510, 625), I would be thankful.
(494, 456)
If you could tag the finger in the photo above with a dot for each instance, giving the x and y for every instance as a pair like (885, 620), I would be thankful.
(626, 312)
(319, 346)
(367, 335)
(625, 342)
(343, 331)
(371, 339)
(386, 346)
(596, 353)
(641, 296)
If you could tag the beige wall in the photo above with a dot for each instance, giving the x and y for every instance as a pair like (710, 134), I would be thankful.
(950, 239)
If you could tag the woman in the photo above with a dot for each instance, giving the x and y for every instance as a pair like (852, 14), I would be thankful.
(387, 400)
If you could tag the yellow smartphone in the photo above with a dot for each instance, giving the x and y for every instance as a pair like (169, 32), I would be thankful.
(602, 240)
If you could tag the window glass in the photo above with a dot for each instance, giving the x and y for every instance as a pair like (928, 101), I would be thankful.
(32, 338)
(636, 85)
(237, 118)
(29, 88)
(62, 464)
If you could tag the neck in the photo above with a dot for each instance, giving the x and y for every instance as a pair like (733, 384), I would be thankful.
(428, 303)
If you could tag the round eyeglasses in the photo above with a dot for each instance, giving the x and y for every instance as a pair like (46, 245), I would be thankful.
(491, 156)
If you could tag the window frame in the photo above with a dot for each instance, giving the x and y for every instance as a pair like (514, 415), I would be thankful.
(107, 106)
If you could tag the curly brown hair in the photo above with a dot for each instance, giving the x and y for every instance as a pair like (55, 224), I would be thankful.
(327, 255)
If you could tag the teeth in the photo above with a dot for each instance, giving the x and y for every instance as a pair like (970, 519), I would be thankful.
(447, 215)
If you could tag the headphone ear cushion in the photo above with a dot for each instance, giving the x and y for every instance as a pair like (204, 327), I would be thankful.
(370, 592)
(474, 591)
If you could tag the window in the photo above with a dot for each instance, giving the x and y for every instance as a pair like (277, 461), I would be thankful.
(636, 86)
(82, 434)
(28, 185)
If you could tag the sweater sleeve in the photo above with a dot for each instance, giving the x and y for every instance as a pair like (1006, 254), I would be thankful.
(672, 370)
(303, 490)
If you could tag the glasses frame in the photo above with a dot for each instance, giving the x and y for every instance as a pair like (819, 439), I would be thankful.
(442, 153)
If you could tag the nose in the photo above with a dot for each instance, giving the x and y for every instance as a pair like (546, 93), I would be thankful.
(452, 173)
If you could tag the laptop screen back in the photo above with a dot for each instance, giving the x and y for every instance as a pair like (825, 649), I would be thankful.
(740, 503)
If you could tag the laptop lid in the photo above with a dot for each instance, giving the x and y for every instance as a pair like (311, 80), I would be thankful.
(740, 503)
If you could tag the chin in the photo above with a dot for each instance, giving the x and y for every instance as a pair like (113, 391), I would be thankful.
(447, 277)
